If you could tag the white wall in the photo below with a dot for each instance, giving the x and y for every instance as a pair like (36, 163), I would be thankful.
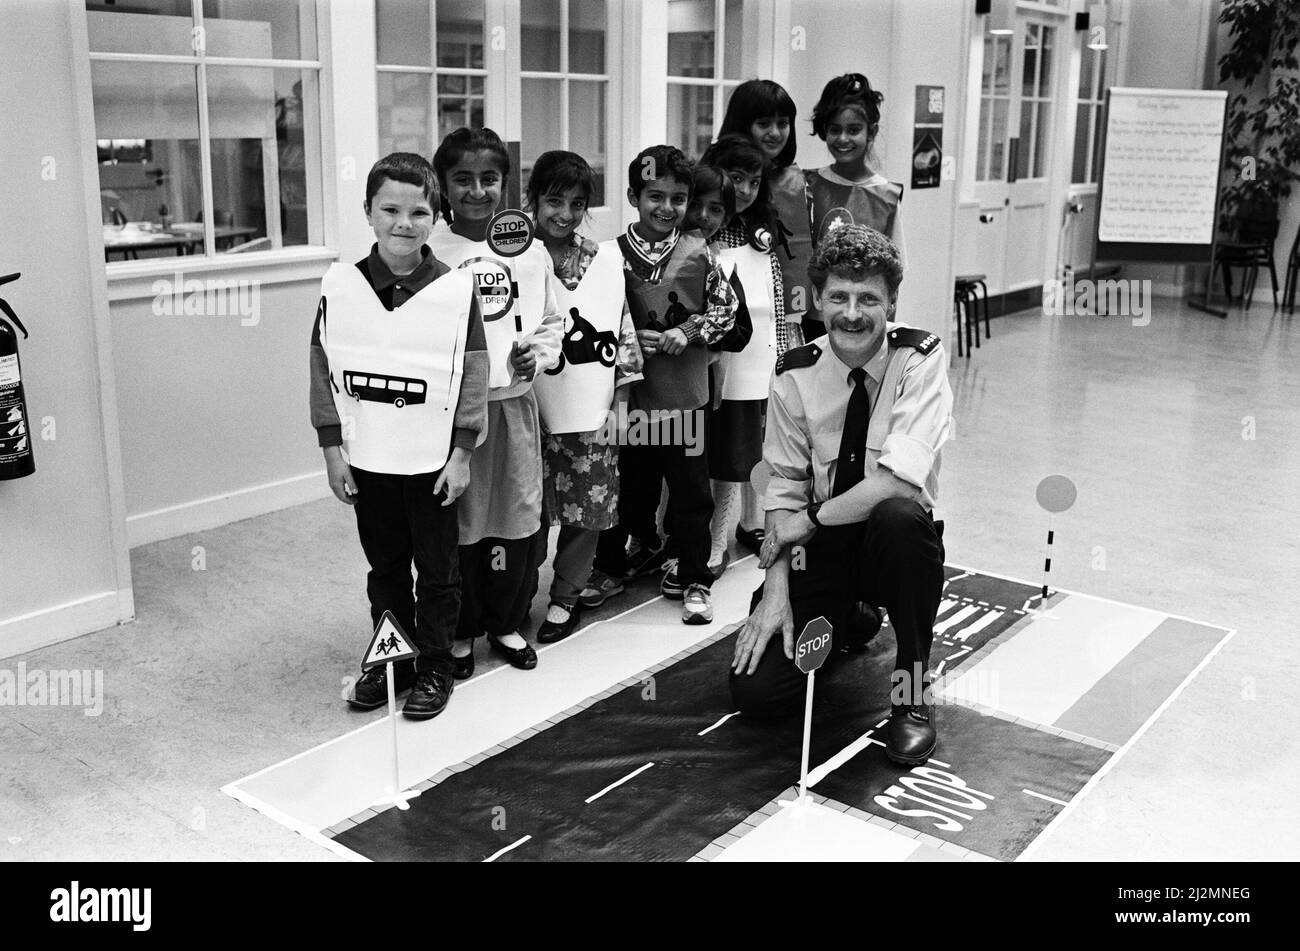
(64, 569)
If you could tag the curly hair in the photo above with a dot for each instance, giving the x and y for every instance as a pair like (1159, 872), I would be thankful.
(856, 252)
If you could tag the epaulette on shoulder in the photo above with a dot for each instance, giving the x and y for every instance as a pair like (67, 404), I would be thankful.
(921, 340)
(804, 356)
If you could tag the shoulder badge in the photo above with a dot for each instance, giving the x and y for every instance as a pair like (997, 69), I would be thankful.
(921, 340)
(804, 356)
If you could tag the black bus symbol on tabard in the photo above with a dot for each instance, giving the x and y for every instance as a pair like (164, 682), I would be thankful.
(585, 344)
(378, 388)
(675, 314)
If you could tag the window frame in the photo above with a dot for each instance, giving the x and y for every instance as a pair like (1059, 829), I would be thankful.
(314, 147)
(434, 72)
(718, 82)
(566, 76)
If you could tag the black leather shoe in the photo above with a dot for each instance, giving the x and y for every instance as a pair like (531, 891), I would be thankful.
(910, 735)
(753, 540)
(863, 625)
(429, 696)
(463, 667)
(371, 689)
(549, 632)
(525, 658)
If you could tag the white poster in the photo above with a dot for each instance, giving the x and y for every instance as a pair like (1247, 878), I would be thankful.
(1160, 177)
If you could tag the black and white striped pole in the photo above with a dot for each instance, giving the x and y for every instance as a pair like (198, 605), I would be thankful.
(1055, 494)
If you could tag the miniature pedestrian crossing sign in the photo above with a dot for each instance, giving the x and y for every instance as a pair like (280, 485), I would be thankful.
(814, 645)
(389, 644)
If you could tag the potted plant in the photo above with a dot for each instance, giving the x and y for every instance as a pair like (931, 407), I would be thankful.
(1263, 123)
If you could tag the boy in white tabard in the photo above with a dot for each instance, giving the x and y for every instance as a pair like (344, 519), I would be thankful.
(399, 375)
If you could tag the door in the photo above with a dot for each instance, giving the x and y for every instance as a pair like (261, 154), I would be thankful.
(1016, 141)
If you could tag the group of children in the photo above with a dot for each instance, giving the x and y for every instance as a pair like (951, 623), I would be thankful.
(468, 395)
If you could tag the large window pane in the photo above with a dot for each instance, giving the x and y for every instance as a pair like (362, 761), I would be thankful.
(690, 38)
(1082, 130)
(259, 155)
(998, 140)
(587, 27)
(540, 35)
(404, 111)
(283, 29)
(1045, 67)
(587, 129)
(1042, 127)
(460, 103)
(690, 118)
(543, 128)
(460, 33)
(402, 30)
(733, 39)
(150, 178)
(166, 28)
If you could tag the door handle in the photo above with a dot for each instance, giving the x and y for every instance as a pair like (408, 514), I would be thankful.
(986, 219)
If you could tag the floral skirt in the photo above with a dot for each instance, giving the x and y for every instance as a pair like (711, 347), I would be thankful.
(580, 480)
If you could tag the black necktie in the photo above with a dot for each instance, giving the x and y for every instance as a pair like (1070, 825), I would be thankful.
(851, 464)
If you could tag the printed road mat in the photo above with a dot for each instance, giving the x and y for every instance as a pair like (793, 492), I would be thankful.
(1035, 700)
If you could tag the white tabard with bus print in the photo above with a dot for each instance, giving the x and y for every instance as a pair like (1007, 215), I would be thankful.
(575, 395)
(511, 293)
(748, 373)
(395, 374)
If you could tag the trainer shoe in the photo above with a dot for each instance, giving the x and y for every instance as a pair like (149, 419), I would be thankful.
(429, 696)
(751, 538)
(697, 605)
(600, 588)
(671, 587)
(642, 560)
(371, 689)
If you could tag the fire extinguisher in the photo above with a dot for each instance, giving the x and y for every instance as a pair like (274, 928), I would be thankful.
(16, 458)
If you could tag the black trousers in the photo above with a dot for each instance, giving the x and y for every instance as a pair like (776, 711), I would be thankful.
(894, 559)
(401, 521)
(498, 578)
(642, 471)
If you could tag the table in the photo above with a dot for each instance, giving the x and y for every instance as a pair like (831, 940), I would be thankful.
(129, 241)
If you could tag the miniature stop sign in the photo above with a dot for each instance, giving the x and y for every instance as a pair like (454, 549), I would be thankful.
(813, 646)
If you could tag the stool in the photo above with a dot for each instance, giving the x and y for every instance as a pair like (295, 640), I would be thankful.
(970, 293)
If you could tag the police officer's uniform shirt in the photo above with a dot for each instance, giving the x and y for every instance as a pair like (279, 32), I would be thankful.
(805, 420)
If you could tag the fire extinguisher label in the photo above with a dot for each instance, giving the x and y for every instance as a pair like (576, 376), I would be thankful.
(9, 370)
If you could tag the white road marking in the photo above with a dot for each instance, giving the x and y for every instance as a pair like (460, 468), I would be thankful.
(934, 762)
(839, 759)
(1038, 795)
(955, 619)
(614, 785)
(975, 628)
(718, 724)
(513, 845)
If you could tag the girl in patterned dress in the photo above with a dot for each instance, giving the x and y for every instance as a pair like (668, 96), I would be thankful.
(583, 398)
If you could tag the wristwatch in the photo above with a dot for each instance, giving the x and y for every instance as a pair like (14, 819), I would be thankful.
(811, 511)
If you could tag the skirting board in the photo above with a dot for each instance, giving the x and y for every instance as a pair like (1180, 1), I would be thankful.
(201, 515)
(29, 632)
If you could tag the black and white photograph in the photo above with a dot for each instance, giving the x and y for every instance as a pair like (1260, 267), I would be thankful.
(650, 431)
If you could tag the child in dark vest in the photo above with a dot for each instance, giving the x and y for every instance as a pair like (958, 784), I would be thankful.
(681, 302)
(398, 422)
(850, 191)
